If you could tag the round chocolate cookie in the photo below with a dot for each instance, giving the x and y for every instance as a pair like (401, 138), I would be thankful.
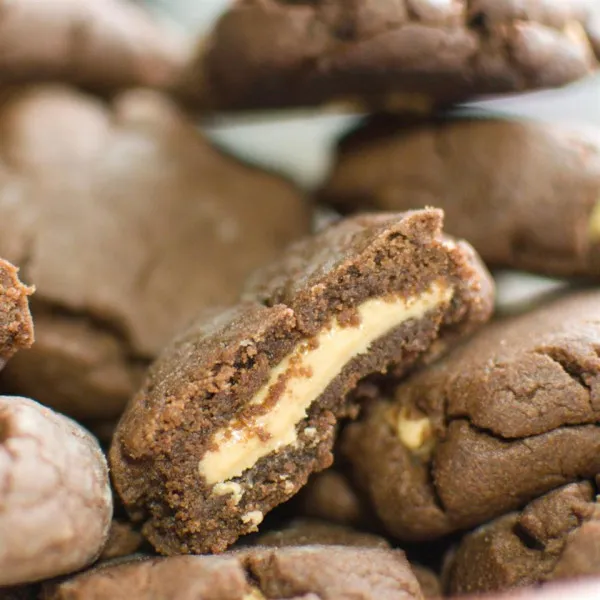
(508, 416)
(55, 499)
(16, 327)
(128, 223)
(303, 573)
(555, 537)
(310, 532)
(525, 194)
(399, 55)
(99, 44)
(238, 411)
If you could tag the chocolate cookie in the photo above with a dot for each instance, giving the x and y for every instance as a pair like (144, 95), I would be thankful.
(305, 573)
(98, 44)
(310, 532)
(123, 540)
(508, 416)
(55, 501)
(307, 532)
(402, 55)
(16, 327)
(555, 537)
(525, 194)
(237, 412)
(329, 495)
(127, 226)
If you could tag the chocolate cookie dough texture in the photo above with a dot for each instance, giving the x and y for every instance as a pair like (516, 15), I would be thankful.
(554, 537)
(525, 194)
(307, 532)
(400, 55)
(99, 44)
(327, 573)
(16, 327)
(55, 501)
(310, 532)
(128, 225)
(236, 414)
(508, 416)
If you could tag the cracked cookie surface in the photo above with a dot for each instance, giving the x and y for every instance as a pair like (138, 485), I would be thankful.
(525, 194)
(308, 572)
(400, 55)
(555, 537)
(128, 225)
(16, 327)
(238, 411)
(55, 499)
(508, 416)
(99, 44)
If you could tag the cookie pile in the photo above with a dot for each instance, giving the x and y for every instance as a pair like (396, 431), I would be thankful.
(204, 395)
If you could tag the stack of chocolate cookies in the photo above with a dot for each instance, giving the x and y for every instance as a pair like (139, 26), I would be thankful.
(204, 395)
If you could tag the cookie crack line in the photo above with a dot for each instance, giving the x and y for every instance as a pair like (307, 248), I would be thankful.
(499, 437)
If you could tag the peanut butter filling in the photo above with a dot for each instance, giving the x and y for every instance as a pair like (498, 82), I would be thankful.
(303, 376)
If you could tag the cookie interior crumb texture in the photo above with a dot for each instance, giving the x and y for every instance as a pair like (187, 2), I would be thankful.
(306, 372)
(16, 326)
(239, 411)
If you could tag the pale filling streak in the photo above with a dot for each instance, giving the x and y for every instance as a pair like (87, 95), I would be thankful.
(305, 374)
(595, 224)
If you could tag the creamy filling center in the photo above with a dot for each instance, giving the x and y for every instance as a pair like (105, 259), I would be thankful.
(303, 376)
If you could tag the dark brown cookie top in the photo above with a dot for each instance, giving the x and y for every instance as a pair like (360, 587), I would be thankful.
(401, 55)
(555, 537)
(56, 504)
(525, 194)
(509, 415)
(134, 200)
(98, 44)
(309, 532)
(303, 573)
(16, 327)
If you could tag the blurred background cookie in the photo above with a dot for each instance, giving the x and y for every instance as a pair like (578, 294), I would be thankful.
(128, 223)
(271, 54)
(525, 194)
(98, 44)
